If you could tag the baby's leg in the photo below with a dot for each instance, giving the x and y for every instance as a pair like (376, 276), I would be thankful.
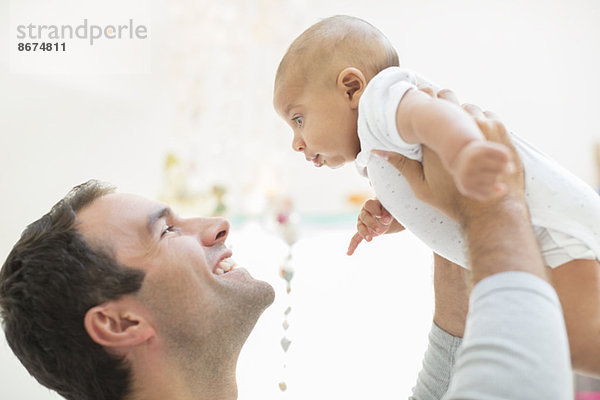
(577, 283)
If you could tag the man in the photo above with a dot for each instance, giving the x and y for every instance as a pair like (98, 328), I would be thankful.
(112, 296)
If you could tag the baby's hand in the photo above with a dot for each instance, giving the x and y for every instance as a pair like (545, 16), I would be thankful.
(373, 220)
(479, 167)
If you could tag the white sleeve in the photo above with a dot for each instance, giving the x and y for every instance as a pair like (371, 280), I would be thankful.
(515, 345)
(377, 110)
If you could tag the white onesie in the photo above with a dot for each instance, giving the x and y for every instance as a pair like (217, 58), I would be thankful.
(565, 211)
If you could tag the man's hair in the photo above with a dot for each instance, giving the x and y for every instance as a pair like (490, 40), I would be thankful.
(50, 279)
(339, 41)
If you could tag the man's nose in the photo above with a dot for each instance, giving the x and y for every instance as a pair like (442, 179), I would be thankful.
(212, 230)
(298, 144)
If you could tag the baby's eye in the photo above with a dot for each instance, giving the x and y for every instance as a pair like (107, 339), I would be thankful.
(167, 229)
(298, 120)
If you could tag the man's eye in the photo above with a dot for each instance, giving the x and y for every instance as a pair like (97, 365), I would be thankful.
(167, 230)
(298, 120)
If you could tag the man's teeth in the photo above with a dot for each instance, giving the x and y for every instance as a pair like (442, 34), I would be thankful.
(225, 266)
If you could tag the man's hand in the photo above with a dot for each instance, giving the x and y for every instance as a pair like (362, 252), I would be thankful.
(373, 220)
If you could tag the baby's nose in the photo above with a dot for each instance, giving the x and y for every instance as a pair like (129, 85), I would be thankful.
(298, 145)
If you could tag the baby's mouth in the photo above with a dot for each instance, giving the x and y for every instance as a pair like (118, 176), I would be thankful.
(316, 162)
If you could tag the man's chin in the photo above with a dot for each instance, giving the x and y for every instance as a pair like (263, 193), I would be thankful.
(262, 298)
(268, 294)
(261, 294)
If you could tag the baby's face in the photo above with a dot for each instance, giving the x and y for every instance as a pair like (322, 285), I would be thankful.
(323, 123)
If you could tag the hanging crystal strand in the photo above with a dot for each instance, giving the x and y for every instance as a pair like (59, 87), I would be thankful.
(287, 227)
(287, 273)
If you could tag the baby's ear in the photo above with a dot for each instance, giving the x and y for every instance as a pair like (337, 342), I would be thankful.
(352, 81)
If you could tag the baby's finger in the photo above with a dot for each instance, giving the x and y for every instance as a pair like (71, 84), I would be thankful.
(365, 232)
(449, 95)
(366, 218)
(354, 242)
(386, 217)
(375, 208)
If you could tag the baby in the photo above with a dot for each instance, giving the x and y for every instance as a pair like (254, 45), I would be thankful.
(340, 89)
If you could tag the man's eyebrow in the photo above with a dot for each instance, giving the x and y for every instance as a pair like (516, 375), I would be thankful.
(155, 216)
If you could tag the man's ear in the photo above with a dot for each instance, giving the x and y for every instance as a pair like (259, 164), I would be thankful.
(352, 81)
(115, 324)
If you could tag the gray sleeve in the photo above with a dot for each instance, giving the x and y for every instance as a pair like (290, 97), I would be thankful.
(515, 345)
(435, 375)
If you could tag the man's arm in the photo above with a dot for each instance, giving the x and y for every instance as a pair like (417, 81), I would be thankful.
(451, 295)
(515, 344)
(451, 307)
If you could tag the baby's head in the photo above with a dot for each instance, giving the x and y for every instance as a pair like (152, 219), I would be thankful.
(319, 83)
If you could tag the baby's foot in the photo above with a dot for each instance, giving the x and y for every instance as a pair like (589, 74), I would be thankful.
(479, 167)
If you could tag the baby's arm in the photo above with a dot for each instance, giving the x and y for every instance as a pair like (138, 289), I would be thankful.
(450, 132)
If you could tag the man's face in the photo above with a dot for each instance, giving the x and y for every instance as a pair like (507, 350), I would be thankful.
(188, 298)
(323, 123)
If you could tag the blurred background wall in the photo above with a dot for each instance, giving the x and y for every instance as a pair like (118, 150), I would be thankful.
(198, 126)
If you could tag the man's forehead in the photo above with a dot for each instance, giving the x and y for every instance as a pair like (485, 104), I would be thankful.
(122, 211)
(116, 203)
